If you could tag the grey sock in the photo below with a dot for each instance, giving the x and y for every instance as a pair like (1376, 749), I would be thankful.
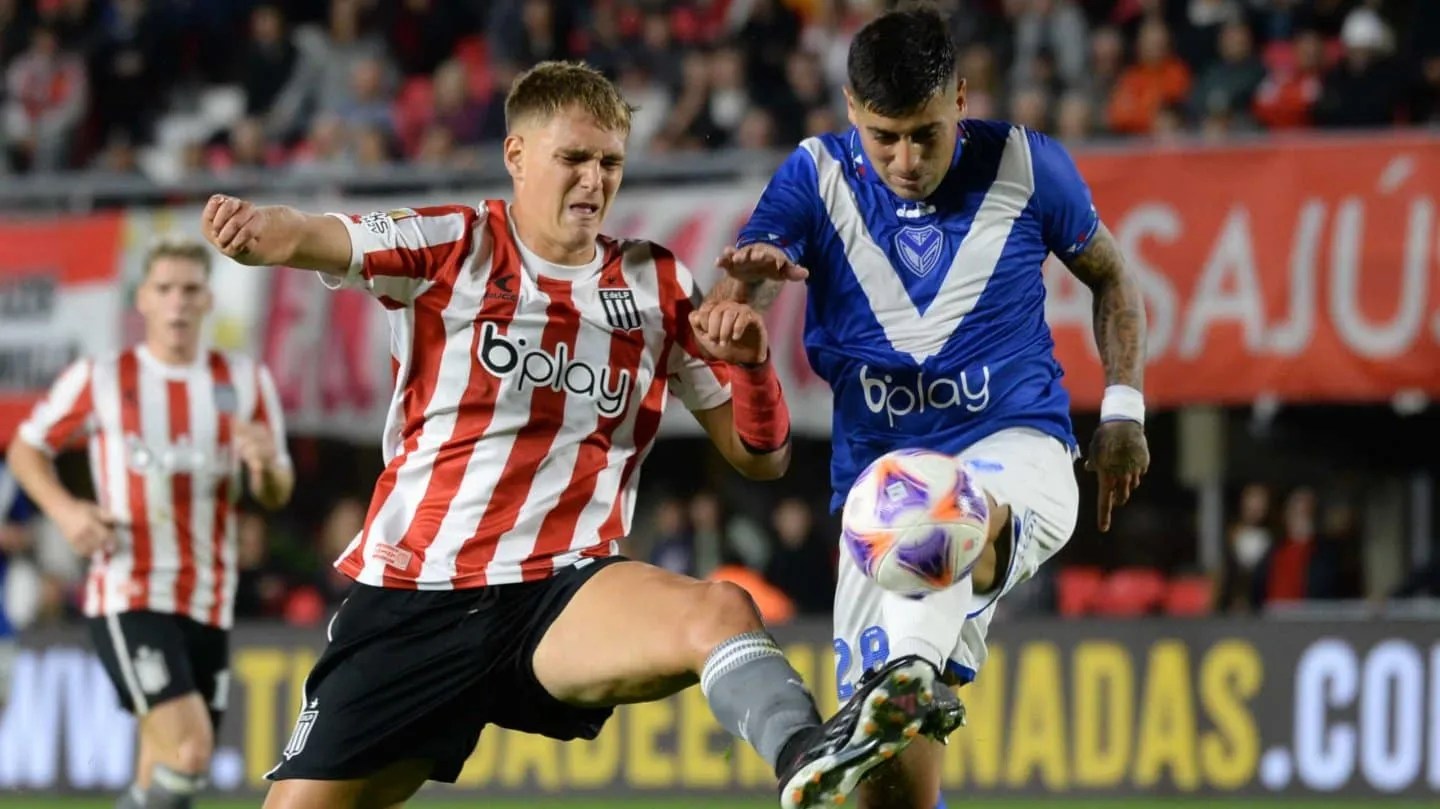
(756, 694)
(132, 798)
(171, 789)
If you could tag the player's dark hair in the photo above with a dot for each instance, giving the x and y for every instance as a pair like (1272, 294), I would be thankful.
(900, 59)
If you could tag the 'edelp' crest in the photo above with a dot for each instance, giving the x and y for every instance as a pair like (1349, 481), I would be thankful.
(620, 309)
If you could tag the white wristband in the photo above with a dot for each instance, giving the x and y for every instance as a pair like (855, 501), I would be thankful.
(1122, 403)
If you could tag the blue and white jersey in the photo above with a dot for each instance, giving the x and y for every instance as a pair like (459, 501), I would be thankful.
(15, 508)
(928, 318)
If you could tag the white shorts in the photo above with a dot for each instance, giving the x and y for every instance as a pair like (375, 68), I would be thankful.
(1033, 473)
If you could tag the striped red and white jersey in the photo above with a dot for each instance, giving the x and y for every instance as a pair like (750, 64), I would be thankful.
(526, 395)
(163, 461)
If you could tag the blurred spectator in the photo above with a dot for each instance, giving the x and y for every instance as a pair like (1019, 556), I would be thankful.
(528, 31)
(1423, 106)
(1337, 566)
(1156, 80)
(324, 80)
(983, 86)
(1248, 544)
(1055, 29)
(1287, 96)
(46, 96)
(672, 547)
(422, 33)
(268, 61)
(1362, 89)
(651, 100)
(802, 563)
(1290, 561)
(126, 77)
(1107, 62)
(1074, 118)
(1030, 108)
(1228, 86)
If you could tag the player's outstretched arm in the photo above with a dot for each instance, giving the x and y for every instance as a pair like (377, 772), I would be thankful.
(1118, 452)
(752, 430)
(276, 235)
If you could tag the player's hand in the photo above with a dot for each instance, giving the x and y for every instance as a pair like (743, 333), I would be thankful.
(1120, 456)
(732, 332)
(244, 231)
(256, 448)
(88, 528)
(760, 262)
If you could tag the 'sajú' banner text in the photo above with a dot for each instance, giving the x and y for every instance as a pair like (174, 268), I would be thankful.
(1094, 708)
(1306, 269)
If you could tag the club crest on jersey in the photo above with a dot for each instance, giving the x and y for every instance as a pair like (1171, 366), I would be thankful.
(920, 246)
(620, 309)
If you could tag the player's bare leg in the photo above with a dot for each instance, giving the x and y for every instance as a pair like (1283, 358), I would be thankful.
(176, 743)
(388, 787)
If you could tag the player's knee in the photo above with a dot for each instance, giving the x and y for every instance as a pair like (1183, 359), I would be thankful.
(723, 611)
(193, 753)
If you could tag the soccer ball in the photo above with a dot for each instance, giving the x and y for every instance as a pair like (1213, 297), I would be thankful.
(915, 522)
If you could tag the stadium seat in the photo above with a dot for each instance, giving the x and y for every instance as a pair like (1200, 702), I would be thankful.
(1131, 592)
(1076, 589)
(1189, 596)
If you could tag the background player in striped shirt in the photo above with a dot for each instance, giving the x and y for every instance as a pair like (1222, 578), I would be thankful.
(921, 235)
(532, 358)
(172, 430)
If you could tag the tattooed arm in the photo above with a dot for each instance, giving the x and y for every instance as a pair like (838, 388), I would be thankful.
(1118, 452)
(754, 274)
(1119, 309)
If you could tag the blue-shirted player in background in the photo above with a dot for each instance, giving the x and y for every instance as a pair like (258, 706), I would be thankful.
(921, 235)
(16, 512)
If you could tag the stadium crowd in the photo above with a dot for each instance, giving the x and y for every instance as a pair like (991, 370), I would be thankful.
(166, 88)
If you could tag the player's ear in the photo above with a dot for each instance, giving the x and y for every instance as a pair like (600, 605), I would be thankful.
(514, 154)
(960, 97)
(850, 107)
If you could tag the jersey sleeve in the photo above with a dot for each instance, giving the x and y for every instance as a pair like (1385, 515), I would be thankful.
(701, 383)
(269, 412)
(397, 255)
(789, 206)
(1067, 214)
(62, 419)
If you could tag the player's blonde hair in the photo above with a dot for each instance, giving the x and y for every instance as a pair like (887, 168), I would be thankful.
(174, 246)
(550, 88)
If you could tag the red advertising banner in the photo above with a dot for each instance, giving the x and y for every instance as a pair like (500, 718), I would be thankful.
(1301, 269)
(58, 299)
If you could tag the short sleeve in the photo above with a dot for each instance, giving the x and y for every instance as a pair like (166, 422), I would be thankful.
(398, 254)
(62, 419)
(1062, 198)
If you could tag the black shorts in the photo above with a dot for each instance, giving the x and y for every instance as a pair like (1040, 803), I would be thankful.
(154, 657)
(417, 674)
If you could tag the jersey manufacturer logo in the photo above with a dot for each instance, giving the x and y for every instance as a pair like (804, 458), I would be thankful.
(920, 247)
(620, 309)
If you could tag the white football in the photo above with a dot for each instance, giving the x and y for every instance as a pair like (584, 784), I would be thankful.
(915, 522)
